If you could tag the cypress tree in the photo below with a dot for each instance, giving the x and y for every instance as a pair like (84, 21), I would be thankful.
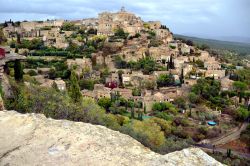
(132, 112)
(229, 151)
(74, 89)
(182, 76)
(139, 115)
(171, 62)
(16, 49)
(145, 109)
(18, 71)
(18, 36)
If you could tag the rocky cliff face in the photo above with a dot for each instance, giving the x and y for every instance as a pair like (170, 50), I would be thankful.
(32, 139)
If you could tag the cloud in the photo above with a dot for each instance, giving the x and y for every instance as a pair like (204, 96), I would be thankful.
(182, 16)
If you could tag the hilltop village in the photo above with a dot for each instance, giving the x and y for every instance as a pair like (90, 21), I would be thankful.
(135, 69)
(146, 39)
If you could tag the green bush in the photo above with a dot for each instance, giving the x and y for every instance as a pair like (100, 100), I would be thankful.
(32, 73)
(242, 114)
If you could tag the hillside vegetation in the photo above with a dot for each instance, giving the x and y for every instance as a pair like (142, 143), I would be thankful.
(240, 48)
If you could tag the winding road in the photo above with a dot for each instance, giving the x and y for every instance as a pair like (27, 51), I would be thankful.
(224, 139)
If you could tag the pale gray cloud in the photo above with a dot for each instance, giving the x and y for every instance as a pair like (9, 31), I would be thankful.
(197, 17)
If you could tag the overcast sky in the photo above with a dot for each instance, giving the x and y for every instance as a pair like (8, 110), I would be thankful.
(206, 18)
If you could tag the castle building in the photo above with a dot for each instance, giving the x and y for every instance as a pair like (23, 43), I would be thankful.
(129, 22)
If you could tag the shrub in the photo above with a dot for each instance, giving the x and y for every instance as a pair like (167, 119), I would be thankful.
(136, 92)
(164, 115)
(242, 114)
(147, 132)
(104, 102)
(32, 73)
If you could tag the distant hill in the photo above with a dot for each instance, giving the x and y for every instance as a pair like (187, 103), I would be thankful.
(240, 48)
(234, 39)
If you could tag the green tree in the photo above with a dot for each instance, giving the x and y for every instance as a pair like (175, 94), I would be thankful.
(86, 84)
(132, 111)
(165, 80)
(104, 102)
(136, 92)
(193, 98)
(147, 132)
(121, 34)
(68, 26)
(18, 36)
(171, 62)
(180, 102)
(140, 115)
(182, 76)
(145, 109)
(52, 73)
(240, 87)
(242, 113)
(18, 71)
(74, 89)
(16, 49)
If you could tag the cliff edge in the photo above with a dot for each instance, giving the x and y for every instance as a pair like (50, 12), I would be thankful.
(33, 139)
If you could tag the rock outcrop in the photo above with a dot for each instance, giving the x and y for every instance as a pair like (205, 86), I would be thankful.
(32, 139)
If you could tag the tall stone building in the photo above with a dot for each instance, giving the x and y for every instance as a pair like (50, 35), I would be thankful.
(129, 22)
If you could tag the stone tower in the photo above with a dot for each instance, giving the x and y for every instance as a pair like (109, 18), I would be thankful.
(123, 9)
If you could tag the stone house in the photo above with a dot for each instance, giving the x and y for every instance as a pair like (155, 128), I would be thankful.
(154, 25)
(187, 68)
(212, 65)
(98, 58)
(88, 94)
(47, 83)
(217, 74)
(44, 71)
(126, 79)
(100, 91)
(149, 99)
(125, 93)
(160, 52)
(39, 78)
(204, 56)
(61, 85)
(160, 97)
(158, 73)
(179, 62)
(185, 49)
(114, 77)
(164, 34)
(68, 33)
(190, 82)
(80, 64)
(226, 84)
(90, 23)
(10, 30)
(133, 53)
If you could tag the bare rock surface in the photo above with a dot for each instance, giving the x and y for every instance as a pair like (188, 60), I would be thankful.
(33, 139)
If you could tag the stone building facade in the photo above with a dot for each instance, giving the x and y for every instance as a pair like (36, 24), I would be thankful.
(129, 22)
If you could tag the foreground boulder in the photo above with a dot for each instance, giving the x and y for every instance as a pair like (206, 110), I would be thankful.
(32, 139)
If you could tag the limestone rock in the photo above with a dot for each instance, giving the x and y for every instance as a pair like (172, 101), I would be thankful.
(32, 139)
